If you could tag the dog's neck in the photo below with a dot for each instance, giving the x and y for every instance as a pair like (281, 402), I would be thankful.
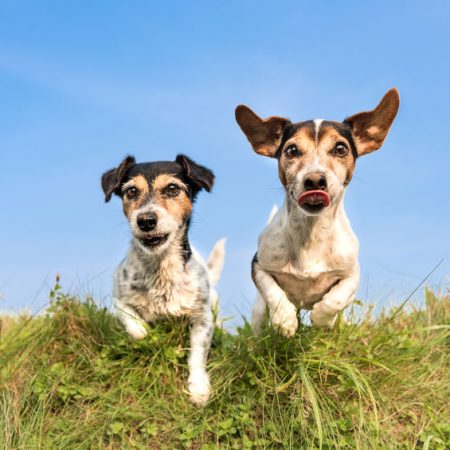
(304, 228)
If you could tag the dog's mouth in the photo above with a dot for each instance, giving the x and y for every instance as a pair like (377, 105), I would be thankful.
(314, 201)
(154, 241)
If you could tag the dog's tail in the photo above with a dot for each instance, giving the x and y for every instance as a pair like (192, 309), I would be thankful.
(215, 261)
(215, 265)
(273, 211)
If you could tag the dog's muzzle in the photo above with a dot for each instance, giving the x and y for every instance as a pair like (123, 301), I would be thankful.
(148, 235)
(154, 241)
(315, 196)
(314, 201)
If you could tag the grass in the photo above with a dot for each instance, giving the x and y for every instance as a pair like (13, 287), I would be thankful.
(72, 379)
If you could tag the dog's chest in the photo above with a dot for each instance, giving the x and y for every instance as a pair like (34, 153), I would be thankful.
(171, 291)
(308, 276)
(162, 295)
(306, 290)
(307, 269)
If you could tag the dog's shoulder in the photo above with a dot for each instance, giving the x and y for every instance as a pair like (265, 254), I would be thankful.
(274, 243)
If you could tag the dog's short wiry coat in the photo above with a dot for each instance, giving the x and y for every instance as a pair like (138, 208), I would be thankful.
(162, 275)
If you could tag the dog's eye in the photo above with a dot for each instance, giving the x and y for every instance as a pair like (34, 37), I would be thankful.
(172, 190)
(292, 151)
(340, 150)
(132, 192)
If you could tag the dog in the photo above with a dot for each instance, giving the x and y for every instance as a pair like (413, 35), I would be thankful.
(163, 275)
(307, 255)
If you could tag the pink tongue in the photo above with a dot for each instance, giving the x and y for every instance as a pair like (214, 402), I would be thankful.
(314, 198)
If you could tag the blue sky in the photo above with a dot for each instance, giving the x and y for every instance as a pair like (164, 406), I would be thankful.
(84, 83)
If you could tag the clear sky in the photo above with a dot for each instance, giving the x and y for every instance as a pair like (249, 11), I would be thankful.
(82, 84)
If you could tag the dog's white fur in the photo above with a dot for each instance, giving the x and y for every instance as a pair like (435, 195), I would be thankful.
(308, 254)
(314, 257)
(163, 276)
(151, 287)
(308, 259)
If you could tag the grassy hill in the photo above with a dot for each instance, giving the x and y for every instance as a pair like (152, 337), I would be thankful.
(72, 379)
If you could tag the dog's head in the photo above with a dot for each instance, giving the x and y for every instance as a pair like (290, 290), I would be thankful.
(316, 158)
(157, 197)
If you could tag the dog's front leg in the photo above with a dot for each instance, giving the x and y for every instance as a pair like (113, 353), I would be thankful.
(325, 312)
(283, 314)
(133, 323)
(200, 341)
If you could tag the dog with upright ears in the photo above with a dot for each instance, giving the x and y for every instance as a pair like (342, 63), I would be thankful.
(307, 255)
(163, 275)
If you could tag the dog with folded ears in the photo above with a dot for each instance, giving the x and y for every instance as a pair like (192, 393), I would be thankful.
(307, 255)
(163, 275)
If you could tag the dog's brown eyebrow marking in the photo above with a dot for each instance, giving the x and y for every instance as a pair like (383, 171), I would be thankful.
(304, 137)
(161, 181)
(180, 207)
(141, 184)
(341, 129)
(293, 129)
(315, 130)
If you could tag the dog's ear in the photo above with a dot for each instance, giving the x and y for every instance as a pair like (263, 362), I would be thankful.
(370, 128)
(112, 180)
(263, 135)
(199, 177)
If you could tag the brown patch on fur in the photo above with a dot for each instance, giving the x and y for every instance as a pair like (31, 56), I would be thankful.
(180, 206)
(163, 180)
(341, 166)
(131, 204)
(288, 168)
(264, 135)
(311, 146)
(371, 128)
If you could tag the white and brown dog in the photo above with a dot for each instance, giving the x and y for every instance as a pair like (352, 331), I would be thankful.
(162, 275)
(307, 255)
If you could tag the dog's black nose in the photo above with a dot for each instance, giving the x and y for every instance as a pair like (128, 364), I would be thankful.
(147, 222)
(315, 181)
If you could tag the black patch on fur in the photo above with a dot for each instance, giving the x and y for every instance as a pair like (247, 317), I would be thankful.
(153, 169)
(199, 177)
(185, 245)
(125, 274)
(195, 176)
(138, 288)
(254, 261)
(113, 179)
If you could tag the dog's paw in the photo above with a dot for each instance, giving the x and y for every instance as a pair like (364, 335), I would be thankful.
(285, 321)
(321, 318)
(199, 387)
(136, 330)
